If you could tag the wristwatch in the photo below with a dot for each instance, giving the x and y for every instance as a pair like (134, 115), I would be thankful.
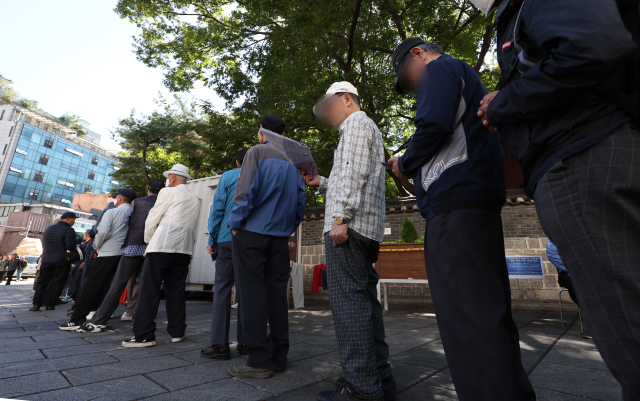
(342, 220)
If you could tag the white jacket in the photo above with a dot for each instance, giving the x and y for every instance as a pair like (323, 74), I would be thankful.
(170, 226)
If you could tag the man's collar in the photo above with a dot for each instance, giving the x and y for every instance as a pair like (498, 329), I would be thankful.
(351, 115)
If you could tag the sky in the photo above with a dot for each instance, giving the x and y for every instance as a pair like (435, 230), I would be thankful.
(77, 56)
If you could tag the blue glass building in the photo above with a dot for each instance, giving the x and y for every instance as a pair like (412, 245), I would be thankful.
(45, 165)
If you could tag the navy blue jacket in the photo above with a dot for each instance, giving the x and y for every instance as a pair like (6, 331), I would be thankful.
(270, 194)
(551, 111)
(455, 161)
(56, 241)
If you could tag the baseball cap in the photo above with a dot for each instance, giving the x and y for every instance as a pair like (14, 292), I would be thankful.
(273, 123)
(68, 215)
(399, 63)
(127, 193)
(334, 89)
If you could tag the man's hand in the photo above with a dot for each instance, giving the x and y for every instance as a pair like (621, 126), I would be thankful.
(339, 234)
(210, 250)
(395, 171)
(312, 181)
(81, 266)
(482, 111)
(234, 232)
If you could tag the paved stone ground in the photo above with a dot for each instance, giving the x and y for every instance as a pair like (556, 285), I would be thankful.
(40, 362)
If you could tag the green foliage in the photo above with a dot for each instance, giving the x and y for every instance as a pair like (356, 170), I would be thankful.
(8, 95)
(409, 232)
(74, 122)
(279, 56)
(29, 104)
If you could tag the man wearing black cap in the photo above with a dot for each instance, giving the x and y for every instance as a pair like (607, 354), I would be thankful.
(108, 242)
(133, 250)
(457, 165)
(272, 123)
(57, 239)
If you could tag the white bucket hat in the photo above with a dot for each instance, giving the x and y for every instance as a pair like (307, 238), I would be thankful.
(178, 169)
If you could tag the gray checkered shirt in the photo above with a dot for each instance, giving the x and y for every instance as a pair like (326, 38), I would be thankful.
(355, 188)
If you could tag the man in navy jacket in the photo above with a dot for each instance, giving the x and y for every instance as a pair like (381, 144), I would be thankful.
(457, 166)
(269, 206)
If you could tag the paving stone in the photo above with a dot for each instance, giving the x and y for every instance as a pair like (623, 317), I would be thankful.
(331, 357)
(408, 375)
(92, 374)
(576, 357)
(291, 379)
(194, 375)
(130, 388)
(28, 344)
(330, 342)
(441, 379)
(53, 335)
(411, 339)
(424, 355)
(81, 349)
(47, 365)
(221, 390)
(548, 395)
(20, 356)
(18, 386)
(108, 336)
(298, 352)
(305, 393)
(575, 380)
(426, 391)
(127, 354)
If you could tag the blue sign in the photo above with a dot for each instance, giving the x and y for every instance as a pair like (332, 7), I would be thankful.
(523, 266)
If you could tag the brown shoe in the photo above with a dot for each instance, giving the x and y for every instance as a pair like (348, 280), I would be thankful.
(245, 370)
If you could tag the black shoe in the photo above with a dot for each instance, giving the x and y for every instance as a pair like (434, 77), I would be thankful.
(344, 393)
(51, 307)
(278, 369)
(586, 335)
(35, 308)
(388, 387)
(242, 348)
(217, 352)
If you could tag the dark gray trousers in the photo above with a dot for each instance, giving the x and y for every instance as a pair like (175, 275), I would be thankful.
(127, 267)
(357, 313)
(589, 206)
(221, 316)
(469, 282)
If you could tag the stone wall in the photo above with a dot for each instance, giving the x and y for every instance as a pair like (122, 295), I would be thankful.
(522, 232)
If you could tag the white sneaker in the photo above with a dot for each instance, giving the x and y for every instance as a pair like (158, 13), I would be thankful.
(126, 317)
(114, 315)
(90, 315)
(178, 339)
(235, 306)
(68, 326)
(91, 328)
(132, 343)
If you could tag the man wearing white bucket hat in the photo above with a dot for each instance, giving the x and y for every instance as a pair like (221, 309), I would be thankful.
(170, 233)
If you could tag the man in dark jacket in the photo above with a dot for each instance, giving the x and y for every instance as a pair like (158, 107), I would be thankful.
(559, 112)
(457, 166)
(56, 241)
(132, 258)
(14, 264)
(269, 206)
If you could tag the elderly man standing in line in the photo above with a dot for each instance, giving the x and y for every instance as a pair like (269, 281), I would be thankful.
(133, 249)
(353, 230)
(269, 206)
(170, 232)
(108, 243)
(57, 239)
(220, 243)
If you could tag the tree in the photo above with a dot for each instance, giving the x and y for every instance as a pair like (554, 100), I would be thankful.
(279, 56)
(74, 122)
(409, 232)
(8, 95)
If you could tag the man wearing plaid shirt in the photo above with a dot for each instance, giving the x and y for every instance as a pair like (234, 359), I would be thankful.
(354, 227)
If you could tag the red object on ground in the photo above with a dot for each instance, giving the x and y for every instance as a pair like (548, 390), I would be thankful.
(317, 277)
(123, 297)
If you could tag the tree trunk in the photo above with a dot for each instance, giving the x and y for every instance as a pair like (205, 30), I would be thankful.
(144, 162)
(486, 43)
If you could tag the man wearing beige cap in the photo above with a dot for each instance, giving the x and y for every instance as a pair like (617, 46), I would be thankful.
(354, 228)
(169, 231)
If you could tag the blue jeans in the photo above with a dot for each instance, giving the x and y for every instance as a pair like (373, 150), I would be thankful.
(19, 274)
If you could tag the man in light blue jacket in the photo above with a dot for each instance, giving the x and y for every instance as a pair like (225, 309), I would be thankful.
(220, 246)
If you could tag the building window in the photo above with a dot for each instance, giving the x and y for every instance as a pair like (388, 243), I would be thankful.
(33, 194)
(5, 149)
(48, 143)
(2, 115)
(44, 159)
(39, 177)
(38, 123)
(88, 188)
(11, 132)
(94, 160)
(92, 175)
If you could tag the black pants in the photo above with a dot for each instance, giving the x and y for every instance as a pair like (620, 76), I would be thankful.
(261, 268)
(173, 268)
(102, 270)
(357, 313)
(9, 276)
(564, 280)
(221, 316)
(128, 266)
(467, 271)
(58, 273)
(589, 206)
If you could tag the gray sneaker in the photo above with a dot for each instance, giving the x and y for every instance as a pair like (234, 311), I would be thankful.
(245, 370)
(126, 317)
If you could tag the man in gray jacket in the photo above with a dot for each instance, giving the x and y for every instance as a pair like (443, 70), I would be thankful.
(108, 242)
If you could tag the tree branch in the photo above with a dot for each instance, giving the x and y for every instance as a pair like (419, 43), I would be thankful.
(382, 49)
(486, 43)
(396, 19)
(352, 31)
(399, 115)
(467, 22)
